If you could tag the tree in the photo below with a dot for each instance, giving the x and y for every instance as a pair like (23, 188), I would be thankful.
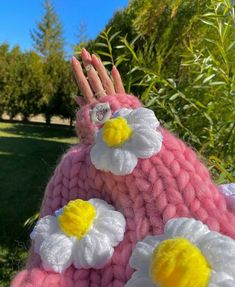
(48, 39)
(49, 42)
(4, 73)
(64, 104)
(11, 81)
(31, 75)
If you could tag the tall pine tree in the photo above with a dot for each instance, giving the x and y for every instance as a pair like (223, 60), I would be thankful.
(48, 41)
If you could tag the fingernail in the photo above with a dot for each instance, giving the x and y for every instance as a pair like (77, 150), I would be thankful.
(88, 55)
(114, 69)
(95, 59)
(84, 50)
(84, 53)
(74, 60)
(80, 101)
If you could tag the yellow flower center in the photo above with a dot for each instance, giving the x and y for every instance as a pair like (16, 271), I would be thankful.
(77, 218)
(116, 131)
(179, 263)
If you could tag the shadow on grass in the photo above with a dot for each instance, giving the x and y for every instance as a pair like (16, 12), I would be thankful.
(40, 130)
(25, 166)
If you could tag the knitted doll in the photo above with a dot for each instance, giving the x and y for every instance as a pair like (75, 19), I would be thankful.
(149, 189)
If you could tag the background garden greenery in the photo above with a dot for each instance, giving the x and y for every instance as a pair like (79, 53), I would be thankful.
(177, 56)
(28, 156)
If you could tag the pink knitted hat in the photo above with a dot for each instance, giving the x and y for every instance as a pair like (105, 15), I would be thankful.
(172, 183)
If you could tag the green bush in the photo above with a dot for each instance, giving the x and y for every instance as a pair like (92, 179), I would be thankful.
(184, 71)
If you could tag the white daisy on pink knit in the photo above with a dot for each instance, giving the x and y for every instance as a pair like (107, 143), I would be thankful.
(186, 254)
(82, 233)
(127, 136)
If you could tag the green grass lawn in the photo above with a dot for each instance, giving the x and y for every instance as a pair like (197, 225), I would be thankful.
(28, 156)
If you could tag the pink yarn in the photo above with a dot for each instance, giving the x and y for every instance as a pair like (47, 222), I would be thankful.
(173, 183)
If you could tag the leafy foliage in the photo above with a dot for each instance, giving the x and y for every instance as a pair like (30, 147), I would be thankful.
(38, 82)
(181, 64)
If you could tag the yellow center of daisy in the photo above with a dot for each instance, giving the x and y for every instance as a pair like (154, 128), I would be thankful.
(77, 218)
(177, 262)
(116, 131)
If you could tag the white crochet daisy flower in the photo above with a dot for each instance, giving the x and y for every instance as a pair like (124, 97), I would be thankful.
(127, 136)
(82, 233)
(187, 254)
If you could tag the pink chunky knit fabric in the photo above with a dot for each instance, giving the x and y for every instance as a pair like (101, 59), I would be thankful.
(170, 184)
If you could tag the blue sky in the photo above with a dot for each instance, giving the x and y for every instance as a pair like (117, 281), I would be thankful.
(18, 17)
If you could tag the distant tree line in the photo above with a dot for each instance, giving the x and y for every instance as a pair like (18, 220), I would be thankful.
(39, 81)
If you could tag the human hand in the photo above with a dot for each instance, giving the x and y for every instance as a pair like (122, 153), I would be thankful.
(98, 82)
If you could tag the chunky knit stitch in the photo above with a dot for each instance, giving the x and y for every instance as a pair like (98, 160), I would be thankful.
(170, 184)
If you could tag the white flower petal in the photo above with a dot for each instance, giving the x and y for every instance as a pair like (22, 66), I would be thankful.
(154, 240)
(221, 279)
(99, 137)
(112, 224)
(145, 142)
(228, 189)
(58, 212)
(124, 112)
(144, 117)
(93, 251)
(227, 283)
(122, 162)
(43, 229)
(56, 252)
(100, 205)
(100, 156)
(116, 160)
(219, 251)
(185, 227)
(140, 279)
(142, 254)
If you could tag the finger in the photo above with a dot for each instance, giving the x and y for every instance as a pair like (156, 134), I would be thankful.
(82, 81)
(86, 57)
(105, 79)
(80, 101)
(119, 88)
(92, 75)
